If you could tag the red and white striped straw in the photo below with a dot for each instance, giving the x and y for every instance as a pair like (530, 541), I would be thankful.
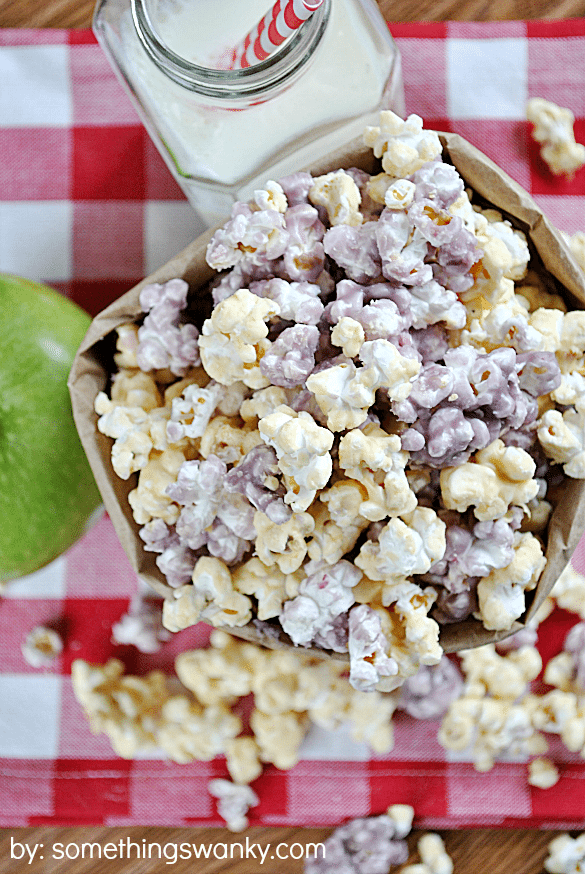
(280, 22)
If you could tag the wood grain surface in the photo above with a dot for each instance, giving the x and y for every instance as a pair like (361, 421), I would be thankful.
(479, 850)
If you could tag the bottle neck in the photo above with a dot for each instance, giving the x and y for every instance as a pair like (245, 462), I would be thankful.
(257, 82)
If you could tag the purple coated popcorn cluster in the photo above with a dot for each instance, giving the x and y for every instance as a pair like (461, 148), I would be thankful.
(371, 463)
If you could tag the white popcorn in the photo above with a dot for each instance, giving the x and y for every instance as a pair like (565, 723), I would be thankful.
(302, 448)
(271, 196)
(233, 339)
(393, 193)
(501, 593)
(562, 436)
(192, 410)
(150, 499)
(285, 544)
(542, 772)
(130, 429)
(348, 334)
(127, 709)
(332, 538)
(404, 547)
(368, 650)
(340, 196)
(553, 127)
(500, 476)
(402, 145)
(375, 459)
(566, 855)
(234, 801)
(434, 857)
(141, 626)
(402, 816)
(345, 393)
(211, 598)
(41, 646)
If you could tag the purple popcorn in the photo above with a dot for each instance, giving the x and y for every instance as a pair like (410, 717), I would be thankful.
(335, 635)
(304, 255)
(435, 224)
(431, 342)
(225, 544)
(454, 260)
(463, 405)
(355, 250)
(428, 694)
(296, 187)
(198, 489)
(455, 606)
(176, 562)
(162, 341)
(438, 183)
(249, 478)
(349, 301)
(157, 535)
(538, 372)
(291, 358)
(367, 845)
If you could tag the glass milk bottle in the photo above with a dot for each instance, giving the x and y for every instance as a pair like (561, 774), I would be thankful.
(223, 132)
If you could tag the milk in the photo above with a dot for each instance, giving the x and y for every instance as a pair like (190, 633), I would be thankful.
(219, 149)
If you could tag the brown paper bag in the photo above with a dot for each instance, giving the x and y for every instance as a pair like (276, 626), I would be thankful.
(94, 363)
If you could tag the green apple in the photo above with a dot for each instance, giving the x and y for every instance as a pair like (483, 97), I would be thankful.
(47, 489)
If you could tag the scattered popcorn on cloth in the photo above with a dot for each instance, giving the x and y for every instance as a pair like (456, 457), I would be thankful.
(553, 128)
(364, 439)
(41, 646)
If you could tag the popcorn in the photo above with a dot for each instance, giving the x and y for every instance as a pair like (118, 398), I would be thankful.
(543, 773)
(162, 341)
(375, 459)
(141, 626)
(353, 448)
(569, 591)
(41, 646)
(302, 448)
(566, 855)
(500, 477)
(234, 802)
(211, 598)
(403, 145)
(283, 544)
(127, 709)
(233, 339)
(553, 127)
(250, 236)
(405, 546)
(340, 196)
(435, 859)
(344, 392)
(324, 594)
(562, 436)
(291, 358)
(501, 594)
(365, 845)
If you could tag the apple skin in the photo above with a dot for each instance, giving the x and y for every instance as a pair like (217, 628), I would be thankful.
(47, 490)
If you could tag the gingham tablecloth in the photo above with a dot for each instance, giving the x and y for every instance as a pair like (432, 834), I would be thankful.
(87, 205)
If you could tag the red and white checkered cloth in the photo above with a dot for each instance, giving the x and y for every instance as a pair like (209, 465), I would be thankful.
(87, 205)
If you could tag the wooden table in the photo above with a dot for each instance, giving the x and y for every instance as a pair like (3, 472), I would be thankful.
(484, 850)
